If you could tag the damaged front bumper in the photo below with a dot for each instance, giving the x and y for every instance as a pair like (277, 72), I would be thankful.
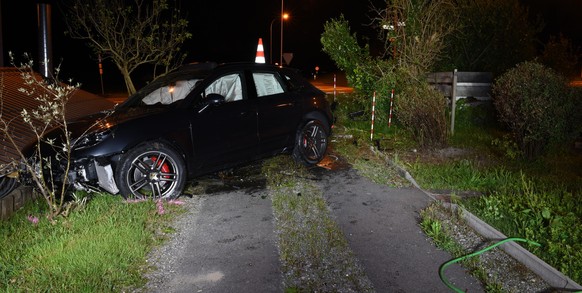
(93, 175)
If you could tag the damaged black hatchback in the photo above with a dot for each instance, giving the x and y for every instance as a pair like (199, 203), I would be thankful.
(198, 119)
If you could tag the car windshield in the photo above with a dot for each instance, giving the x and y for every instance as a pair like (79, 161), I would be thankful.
(170, 93)
(170, 88)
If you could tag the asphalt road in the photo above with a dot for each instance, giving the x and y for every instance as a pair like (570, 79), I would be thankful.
(226, 242)
(381, 225)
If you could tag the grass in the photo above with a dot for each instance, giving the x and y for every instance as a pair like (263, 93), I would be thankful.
(441, 233)
(355, 148)
(539, 200)
(100, 247)
(314, 254)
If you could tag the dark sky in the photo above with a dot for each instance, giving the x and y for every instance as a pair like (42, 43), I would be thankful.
(223, 31)
(228, 30)
(559, 16)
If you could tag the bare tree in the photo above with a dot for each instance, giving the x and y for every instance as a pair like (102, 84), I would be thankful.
(46, 116)
(130, 33)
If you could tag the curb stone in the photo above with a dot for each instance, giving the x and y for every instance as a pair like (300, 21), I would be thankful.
(551, 275)
(548, 273)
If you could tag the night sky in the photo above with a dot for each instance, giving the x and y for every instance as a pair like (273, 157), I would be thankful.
(227, 30)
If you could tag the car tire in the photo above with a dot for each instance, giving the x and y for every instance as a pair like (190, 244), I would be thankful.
(151, 170)
(7, 184)
(311, 143)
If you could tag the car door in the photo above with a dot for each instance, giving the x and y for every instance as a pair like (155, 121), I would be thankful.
(225, 133)
(278, 111)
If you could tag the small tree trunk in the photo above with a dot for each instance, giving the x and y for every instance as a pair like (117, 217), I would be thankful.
(128, 82)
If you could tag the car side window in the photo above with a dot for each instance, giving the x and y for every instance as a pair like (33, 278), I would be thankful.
(171, 93)
(267, 84)
(293, 84)
(228, 86)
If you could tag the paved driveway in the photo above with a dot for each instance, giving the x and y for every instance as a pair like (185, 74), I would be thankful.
(381, 225)
(226, 243)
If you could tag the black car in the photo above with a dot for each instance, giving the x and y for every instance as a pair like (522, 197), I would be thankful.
(199, 119)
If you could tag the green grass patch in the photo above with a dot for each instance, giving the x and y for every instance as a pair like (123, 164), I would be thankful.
(462, 175)
(101, 247)
(520, 200)
(355, 148)
(548, 215)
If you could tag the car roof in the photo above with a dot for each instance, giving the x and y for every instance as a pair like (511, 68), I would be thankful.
(194, 70)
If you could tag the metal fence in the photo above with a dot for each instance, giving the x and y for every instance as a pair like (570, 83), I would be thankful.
(462, 85)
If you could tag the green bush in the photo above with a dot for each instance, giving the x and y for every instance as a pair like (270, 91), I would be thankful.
(421, 110)
(535, 104)
(342, 46)
(492, 35)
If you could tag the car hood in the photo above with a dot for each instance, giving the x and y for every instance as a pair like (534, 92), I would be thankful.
(107, 120)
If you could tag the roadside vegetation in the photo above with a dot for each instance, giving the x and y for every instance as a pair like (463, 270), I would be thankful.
(484, 172)
(511, 161)
(130, 35)
(84, 251)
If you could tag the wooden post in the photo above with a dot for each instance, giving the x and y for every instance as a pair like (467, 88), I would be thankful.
(453, 101)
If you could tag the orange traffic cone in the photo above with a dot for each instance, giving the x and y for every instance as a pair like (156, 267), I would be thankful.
(260, 52)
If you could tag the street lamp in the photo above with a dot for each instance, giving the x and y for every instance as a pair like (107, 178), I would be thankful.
(284, 16)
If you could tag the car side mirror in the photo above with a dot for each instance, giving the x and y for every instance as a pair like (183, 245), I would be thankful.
(212, 100)
(215, 99)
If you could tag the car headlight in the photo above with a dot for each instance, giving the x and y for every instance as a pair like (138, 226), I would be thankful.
(91, 139)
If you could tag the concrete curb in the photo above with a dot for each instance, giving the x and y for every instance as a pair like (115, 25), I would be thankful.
(551, 275)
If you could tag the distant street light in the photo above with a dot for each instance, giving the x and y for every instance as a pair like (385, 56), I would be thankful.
(284, 16)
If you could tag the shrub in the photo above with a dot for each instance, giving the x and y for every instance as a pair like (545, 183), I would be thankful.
(535, 104)
(421, 110)
(342, 46)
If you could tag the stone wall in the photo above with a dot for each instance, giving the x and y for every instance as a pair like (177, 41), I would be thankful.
(14, 201)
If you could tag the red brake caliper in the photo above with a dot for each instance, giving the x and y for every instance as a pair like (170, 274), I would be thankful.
(165, 167)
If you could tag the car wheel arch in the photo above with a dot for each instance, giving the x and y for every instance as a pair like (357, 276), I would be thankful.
(316, 115)
(173, 145)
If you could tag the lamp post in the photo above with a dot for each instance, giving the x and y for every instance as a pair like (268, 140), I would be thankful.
(271, 41)
(283, 17)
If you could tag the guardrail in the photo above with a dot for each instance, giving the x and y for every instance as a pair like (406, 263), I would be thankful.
(460, 85)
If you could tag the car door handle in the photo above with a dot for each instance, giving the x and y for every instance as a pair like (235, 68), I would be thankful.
(286, 105)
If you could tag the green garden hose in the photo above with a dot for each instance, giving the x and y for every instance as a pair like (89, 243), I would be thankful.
(458, 259)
